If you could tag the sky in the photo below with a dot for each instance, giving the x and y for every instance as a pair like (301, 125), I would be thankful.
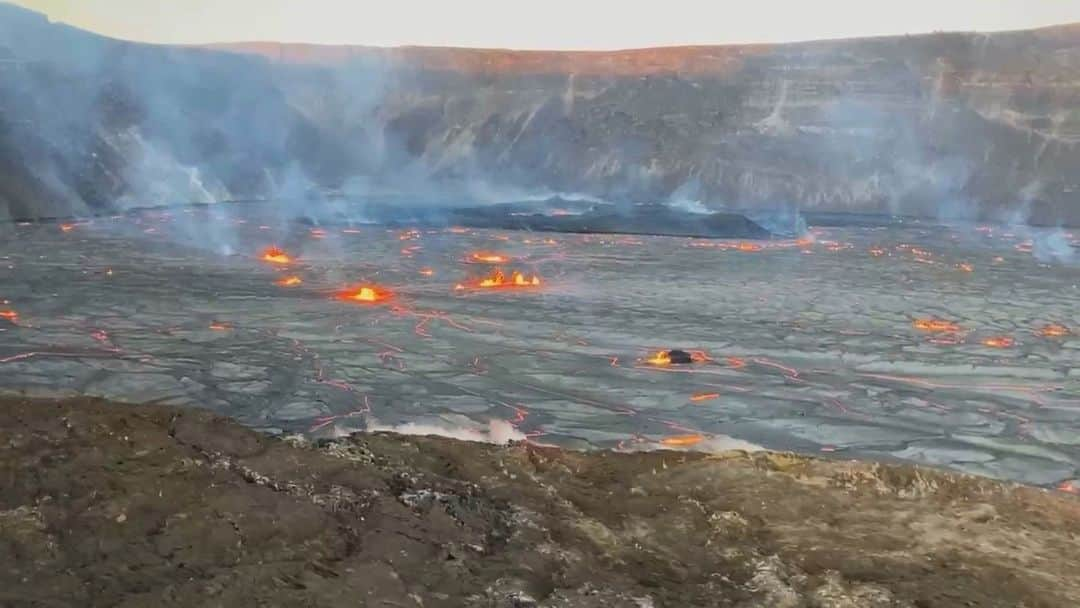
(546, 24)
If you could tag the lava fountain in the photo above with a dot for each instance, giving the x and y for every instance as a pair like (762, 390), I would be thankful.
(275, 255)
(1054, 330)
(365, 294)
(998, 342)
(499, 280)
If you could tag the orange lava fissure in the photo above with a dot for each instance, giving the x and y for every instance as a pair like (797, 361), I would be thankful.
(488, 257)
(935, 325)
(998, 342)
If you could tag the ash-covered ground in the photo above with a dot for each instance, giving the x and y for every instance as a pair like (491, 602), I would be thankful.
(955, 347)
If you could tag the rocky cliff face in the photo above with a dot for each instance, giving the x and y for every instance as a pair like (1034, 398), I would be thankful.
(950, 125)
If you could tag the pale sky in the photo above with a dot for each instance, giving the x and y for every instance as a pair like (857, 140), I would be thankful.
(542, 24)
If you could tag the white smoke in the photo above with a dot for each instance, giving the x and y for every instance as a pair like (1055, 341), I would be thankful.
(498, 432)
(1053, 246)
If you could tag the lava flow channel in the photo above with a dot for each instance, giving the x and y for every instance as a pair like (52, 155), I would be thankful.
(499, 280)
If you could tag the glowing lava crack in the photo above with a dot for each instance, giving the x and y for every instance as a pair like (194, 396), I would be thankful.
(486, 257)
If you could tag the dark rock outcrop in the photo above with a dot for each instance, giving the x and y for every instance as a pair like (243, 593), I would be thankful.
(113, 505)
(942, 125)
(601, 219)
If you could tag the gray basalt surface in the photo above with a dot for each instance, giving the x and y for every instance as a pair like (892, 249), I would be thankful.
(807, 346)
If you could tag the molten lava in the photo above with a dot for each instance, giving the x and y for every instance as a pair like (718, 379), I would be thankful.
(488, 257)
(665, 358)
(67, 227)
(368, 294)
(682, 441)
(499, 280)
(427, 272)
(936, 326)
(517, 279)
(662, 359)
(998, 342)
(275, 255)
(289, 282)
(698, 397)
(10, 315)
(1054, 330)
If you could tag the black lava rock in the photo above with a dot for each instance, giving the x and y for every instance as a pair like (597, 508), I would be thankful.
(680, 357)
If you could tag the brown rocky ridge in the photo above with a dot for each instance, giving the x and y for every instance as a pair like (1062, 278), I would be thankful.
(111, 505)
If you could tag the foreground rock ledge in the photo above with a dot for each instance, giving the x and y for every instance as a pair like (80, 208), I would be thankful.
(104, 504)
